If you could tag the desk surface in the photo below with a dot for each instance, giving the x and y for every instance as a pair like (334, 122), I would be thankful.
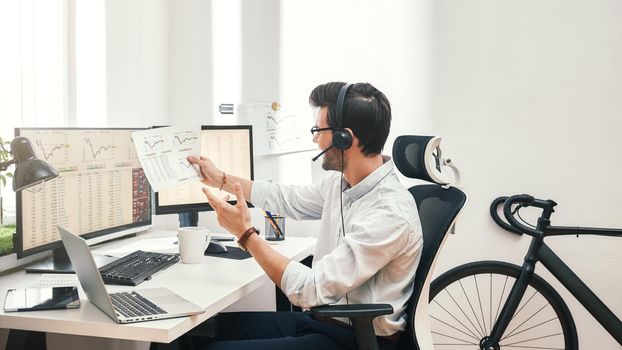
(214, 284)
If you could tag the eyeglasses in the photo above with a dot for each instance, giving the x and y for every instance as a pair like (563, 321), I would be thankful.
(316, 128)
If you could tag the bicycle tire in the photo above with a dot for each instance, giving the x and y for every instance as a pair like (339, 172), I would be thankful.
(560, 334)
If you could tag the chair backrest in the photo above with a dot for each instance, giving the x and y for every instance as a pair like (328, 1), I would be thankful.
(439, 206)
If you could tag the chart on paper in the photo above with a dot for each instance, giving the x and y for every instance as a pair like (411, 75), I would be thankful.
(163, 154)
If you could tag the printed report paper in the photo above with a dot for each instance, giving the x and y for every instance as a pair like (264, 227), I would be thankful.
(163, 155)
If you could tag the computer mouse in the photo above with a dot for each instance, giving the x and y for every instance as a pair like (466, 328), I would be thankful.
(216, 247)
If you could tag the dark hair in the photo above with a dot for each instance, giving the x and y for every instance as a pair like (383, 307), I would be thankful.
(366, 111)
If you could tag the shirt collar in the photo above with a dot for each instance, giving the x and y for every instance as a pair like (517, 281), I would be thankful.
(368, 183)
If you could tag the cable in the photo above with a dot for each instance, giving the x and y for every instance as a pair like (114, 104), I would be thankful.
(343, 226)
(521, 218)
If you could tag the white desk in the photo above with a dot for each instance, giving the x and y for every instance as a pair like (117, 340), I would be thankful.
(213, 284)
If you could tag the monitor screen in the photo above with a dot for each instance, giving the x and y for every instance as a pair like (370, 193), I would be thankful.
(230, 147)
(101, 188)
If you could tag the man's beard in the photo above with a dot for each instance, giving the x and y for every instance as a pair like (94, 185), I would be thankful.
(332, 160)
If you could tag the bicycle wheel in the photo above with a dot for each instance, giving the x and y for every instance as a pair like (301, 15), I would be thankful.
(465, 303)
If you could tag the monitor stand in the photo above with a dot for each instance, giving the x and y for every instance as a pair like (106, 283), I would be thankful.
(59, 262)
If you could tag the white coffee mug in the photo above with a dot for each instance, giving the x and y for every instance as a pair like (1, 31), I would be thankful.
(192, 243)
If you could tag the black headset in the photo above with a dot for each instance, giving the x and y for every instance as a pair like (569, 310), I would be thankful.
(342, 138)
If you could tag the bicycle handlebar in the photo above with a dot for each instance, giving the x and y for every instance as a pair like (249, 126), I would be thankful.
(494, 213)
(543, 228)
(522, 200)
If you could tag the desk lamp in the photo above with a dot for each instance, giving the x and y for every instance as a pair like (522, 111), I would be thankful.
(29, 170)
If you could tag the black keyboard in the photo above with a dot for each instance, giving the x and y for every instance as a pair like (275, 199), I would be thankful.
(136, 267)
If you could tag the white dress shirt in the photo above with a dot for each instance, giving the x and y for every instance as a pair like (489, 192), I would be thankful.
(374, 262)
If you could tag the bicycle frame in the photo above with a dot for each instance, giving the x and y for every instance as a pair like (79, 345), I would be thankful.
(539, 251)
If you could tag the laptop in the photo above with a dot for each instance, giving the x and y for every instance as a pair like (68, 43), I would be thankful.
(123, 307)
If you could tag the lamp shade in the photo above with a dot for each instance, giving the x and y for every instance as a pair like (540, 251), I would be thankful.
(29, 170)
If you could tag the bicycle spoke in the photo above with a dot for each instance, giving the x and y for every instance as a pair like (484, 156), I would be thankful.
(464, 313)
(450, 344)
(532, 327)
(454, 317)
(470, 305)
(527, 302)
(524, 341)
(481, 310)
(501, 297)
(490, 299)
(533, 347)
(530, 317)
(445, 323)
(466, 342)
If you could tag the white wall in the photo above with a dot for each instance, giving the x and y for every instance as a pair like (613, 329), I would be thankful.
(384, 43)
(527, 97)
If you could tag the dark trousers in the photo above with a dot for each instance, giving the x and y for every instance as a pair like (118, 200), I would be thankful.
(272, 330)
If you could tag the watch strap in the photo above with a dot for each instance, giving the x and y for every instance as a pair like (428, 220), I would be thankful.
(244, 237)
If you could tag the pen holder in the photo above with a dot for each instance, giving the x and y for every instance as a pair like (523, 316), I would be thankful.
(271, 234)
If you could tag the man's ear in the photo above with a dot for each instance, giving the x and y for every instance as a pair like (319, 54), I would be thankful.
(355, 140)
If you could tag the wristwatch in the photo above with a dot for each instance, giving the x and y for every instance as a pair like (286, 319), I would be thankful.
(244, 237)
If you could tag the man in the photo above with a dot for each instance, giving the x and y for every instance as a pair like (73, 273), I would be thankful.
(369, 243)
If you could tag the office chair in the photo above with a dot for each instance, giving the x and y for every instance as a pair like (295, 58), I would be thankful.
(439, 204)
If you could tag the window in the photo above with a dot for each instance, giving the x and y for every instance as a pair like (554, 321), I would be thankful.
(50, 50)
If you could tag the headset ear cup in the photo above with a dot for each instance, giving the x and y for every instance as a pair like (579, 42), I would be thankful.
(342, 139)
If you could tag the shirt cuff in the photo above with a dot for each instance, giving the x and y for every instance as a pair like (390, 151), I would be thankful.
(293, 281)
(258, 192)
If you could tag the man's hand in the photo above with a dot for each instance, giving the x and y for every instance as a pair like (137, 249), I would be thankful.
(212, 176)
(237, 219)
(234, 218)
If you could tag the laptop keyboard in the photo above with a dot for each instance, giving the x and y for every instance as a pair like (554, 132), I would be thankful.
(132, 304)
(136, 267)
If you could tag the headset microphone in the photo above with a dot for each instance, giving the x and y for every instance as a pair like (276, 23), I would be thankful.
(321, 153)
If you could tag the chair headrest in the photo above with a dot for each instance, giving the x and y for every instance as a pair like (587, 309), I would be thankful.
(419, 157)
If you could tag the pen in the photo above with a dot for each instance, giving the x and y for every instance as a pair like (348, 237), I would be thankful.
(275, 226)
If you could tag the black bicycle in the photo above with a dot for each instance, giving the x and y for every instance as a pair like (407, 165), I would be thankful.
(492, 305)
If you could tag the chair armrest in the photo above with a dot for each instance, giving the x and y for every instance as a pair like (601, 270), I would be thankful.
(352, 310)
(361, 316)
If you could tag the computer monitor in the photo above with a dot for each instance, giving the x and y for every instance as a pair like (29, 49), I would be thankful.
(230, 147)
(101, 192)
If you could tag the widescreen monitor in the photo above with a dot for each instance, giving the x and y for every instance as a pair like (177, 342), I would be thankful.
(230, 147)
(101, 192)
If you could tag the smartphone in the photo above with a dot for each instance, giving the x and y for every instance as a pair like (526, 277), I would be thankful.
(46, 298)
